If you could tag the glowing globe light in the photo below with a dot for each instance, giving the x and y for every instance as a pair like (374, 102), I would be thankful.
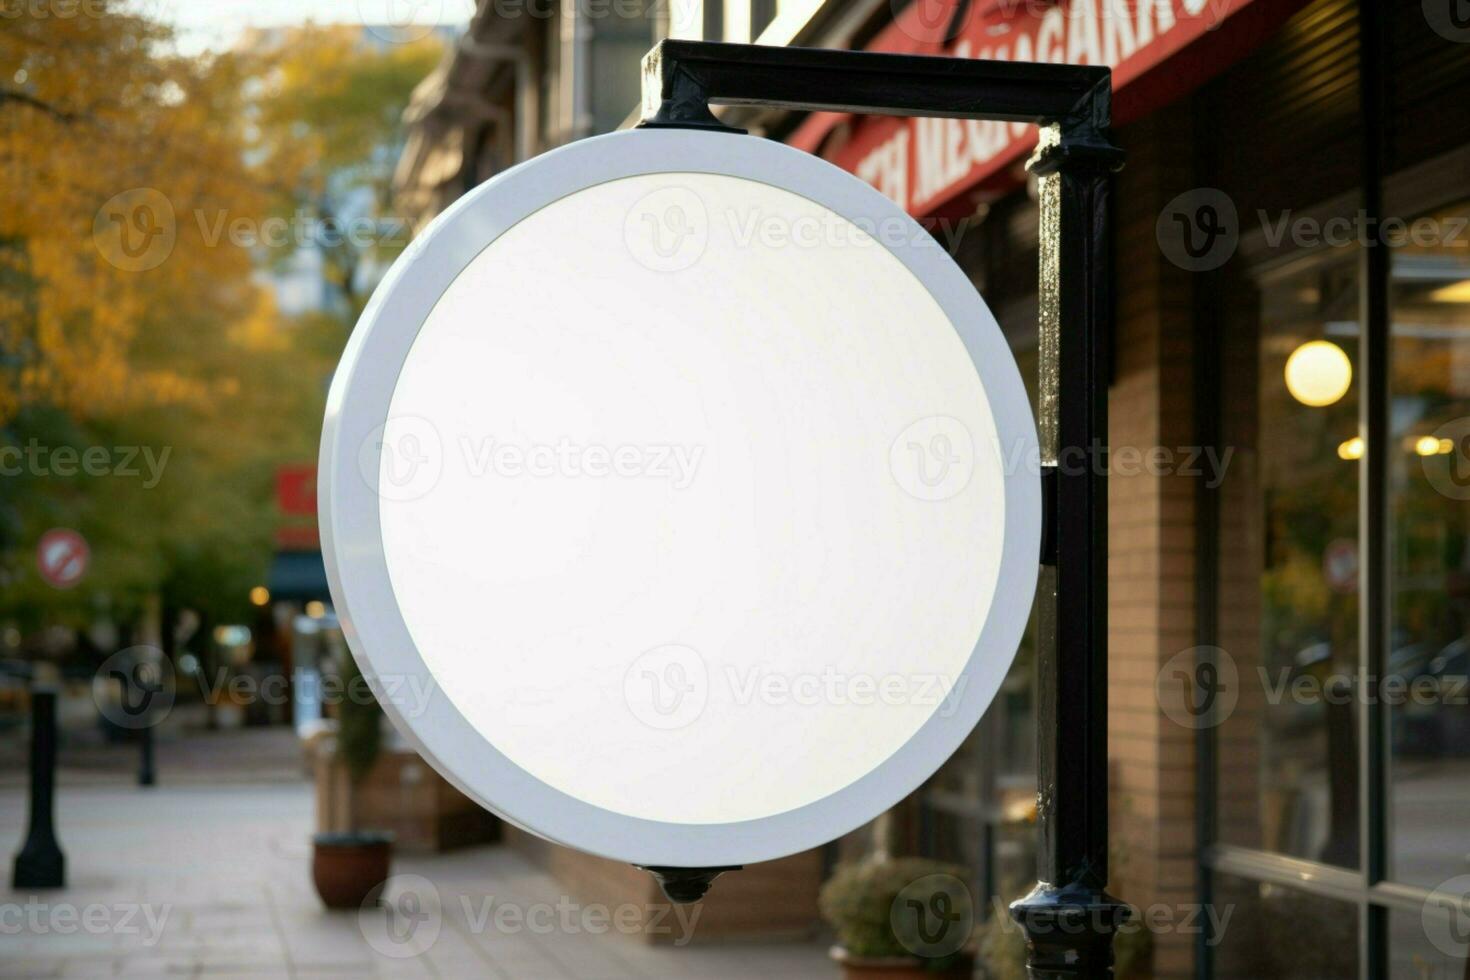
(1318, 373)
(1430, 445)
(685, 491)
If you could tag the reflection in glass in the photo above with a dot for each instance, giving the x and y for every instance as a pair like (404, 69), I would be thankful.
(1289, 562)
(1429, 527)
(1272, 932)
(1427, 946)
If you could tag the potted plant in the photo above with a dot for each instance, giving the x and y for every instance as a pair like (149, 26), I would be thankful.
(347, 865)
(900, 917)
(367, 777)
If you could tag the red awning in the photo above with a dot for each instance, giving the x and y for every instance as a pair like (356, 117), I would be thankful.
(927, 164)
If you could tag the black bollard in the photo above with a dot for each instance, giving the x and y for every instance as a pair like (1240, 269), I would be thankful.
(145, 756)
(40, 863)
(139, 688)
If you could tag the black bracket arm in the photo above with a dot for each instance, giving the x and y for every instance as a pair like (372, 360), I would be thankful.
(682, 79)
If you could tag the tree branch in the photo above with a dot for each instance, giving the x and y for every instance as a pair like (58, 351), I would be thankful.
(54, 111)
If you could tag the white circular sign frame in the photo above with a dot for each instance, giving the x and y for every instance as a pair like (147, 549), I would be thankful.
(352, 543)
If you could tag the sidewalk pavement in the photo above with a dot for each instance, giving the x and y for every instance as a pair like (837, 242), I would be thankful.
(210, 879)
(186, 750)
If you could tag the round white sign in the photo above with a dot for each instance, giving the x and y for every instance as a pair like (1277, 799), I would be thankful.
(680, 494)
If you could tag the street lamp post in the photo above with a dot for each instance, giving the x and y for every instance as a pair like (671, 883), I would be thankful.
(1069, 918)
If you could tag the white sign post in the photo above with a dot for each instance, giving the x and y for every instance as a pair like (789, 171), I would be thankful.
(686, 493)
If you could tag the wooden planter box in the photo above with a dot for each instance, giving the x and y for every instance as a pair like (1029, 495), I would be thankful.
(402, 795)
(772, 900)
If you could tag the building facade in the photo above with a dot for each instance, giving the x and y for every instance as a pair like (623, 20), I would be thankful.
(525, 77)
(1289, 388)
(1289, 437)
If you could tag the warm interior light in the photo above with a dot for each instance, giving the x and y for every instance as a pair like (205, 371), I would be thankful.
(1458, 292)
(316, 609)
(231, 635)
(260, 595)
(1318, 373)
(1351, 449)
(1428, 446)
(1446, 446)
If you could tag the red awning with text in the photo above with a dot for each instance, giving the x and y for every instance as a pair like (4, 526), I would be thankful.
(927, 165)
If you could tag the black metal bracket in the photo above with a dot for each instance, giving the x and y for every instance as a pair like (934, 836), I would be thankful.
(683, 99)
(1069, 918)
(679, 74)
(685, 885)
(1049, 514)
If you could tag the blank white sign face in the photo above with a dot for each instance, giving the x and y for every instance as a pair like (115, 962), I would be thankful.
(685, 491)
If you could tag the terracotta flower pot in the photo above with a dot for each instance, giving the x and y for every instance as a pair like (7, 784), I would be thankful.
(901, 967)
(346, 867)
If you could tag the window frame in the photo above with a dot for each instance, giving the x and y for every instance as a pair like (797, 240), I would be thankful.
(1421, 188)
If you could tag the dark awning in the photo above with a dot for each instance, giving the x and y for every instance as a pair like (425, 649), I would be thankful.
(298, 575)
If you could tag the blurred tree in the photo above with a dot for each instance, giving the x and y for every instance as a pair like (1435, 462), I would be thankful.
(134, 219)
(108, 146)
(328, 113)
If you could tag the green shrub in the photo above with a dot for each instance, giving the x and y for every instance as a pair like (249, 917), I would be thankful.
(858, 901)
(359, 722)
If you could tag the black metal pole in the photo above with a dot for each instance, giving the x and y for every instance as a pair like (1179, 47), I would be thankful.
(1069, 918)
(40, 863)
(1376, 68)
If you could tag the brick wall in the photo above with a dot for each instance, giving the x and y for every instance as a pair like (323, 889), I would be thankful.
(1152, 541)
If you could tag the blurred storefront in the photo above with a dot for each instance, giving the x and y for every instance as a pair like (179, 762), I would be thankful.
(1291, 383)
(1298, 177)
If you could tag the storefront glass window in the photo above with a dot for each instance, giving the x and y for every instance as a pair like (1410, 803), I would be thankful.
(1427, 689)
(1264, 931)
(1427, 945)
(1289, 545)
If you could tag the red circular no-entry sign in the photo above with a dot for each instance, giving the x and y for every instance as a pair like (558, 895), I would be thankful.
(62, 557)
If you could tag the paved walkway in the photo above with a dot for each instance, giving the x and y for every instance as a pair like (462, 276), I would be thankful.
(186, 751)
(206, 879)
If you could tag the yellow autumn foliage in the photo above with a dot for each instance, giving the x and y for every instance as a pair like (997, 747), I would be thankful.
(110, 149)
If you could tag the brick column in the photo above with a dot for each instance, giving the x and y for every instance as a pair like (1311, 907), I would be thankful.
(1152, 541)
